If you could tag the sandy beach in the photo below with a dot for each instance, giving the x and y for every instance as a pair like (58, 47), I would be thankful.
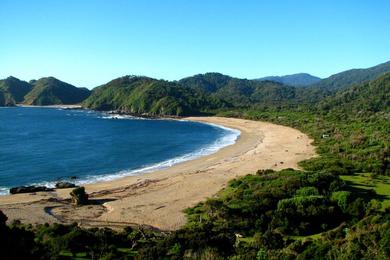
(158, 199)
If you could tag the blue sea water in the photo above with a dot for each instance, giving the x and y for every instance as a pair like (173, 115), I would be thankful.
(43, 145)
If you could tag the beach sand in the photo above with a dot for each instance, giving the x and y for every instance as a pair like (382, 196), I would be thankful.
(158, 199)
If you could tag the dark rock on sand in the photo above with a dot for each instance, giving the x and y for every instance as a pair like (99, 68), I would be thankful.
(29, 189)
(79, 196)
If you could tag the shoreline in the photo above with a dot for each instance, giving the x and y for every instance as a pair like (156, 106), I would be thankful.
(158, 198)
(230, 138)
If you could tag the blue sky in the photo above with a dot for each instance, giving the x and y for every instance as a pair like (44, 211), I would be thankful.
(89, 42)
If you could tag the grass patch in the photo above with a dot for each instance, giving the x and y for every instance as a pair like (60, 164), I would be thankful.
(127, 251)
(77, 256)
(367, 181)
(312, 237)
(248, 240)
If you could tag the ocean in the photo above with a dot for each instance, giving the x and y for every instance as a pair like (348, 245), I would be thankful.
(41, 146)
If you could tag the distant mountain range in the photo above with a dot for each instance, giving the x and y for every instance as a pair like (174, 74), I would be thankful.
(198, 94)
(296, 80)
(334, 82)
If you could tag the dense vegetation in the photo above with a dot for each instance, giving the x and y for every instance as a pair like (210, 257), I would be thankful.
(361, 100)
(279, 92)
(337, 207)
(45, 91)
(147, 96)
(199, 94)
(350, 128)
(296, 80)
(240, 92)
(278, 215)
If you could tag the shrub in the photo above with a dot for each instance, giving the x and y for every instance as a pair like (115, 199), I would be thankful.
(307, 191)
(342, 199)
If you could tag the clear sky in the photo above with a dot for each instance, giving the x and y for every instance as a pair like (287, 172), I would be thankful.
(89, 42)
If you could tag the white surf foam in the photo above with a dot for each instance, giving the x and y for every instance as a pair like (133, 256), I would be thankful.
(4, 191)
(118, 116)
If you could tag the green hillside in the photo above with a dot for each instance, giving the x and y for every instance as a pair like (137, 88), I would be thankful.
(279, 91)
(240, 92)
(51, 91)
(13, 91)
(143, 95)
(370, 96)
(353, 76)
(209, 82)
(205, 92)
(193, 95)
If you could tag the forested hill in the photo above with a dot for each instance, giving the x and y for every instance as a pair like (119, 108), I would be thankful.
(353, 76)
(143, 95)
(190, 96)
(12, 91)
(240, 92)
(51, 91)
(209, 82)
(372, 96)
(296, 80)
(206, 93)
